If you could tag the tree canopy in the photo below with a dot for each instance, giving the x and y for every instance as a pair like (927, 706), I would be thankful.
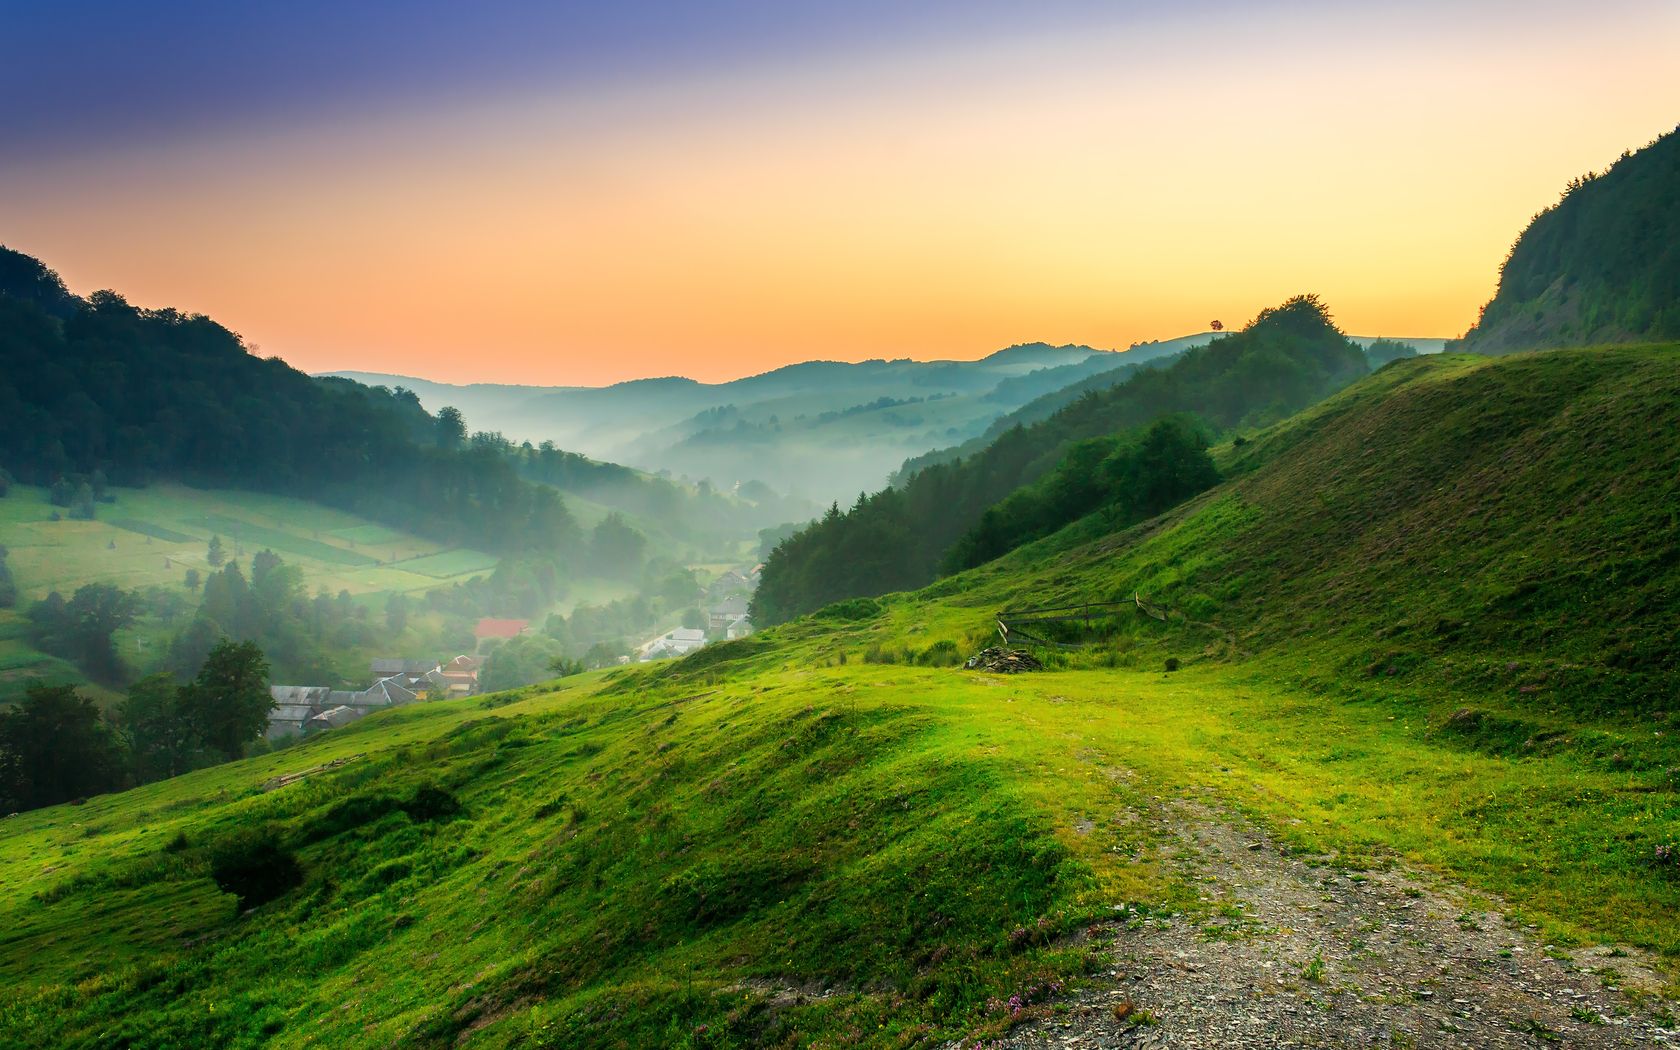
(54, 747)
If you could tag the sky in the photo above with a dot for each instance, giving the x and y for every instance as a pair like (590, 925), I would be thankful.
(577, 194)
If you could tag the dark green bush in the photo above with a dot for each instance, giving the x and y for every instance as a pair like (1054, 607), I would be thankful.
(255, 867)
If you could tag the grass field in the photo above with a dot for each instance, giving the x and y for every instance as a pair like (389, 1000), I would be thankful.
(150, 537)
(662, 850)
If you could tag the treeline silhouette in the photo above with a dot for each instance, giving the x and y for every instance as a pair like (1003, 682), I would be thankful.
(97, 386)
(1601, 265)
(1289, 357)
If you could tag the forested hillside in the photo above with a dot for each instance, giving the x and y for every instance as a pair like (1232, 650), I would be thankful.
(1288, 357)
(99, 392)
(1600, 266)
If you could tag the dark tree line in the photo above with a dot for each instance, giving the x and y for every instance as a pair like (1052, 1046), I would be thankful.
(1289, 357)
(100, 389)
(56, 746)
(8, 585)
(1131, 477)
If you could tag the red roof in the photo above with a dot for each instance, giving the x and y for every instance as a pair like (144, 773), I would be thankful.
(492, 628)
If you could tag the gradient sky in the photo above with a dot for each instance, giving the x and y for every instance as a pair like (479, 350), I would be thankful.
(570, 193)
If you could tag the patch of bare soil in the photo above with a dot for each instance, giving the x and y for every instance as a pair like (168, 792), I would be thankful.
(1292, 954)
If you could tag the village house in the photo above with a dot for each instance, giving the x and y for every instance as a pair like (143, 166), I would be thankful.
(680, 642)
(300, 709)
(729, 584)
(500, 630)
(332, 718)
(410, 673)
(458, 677)
(725, 612)
(288, 720)
(294, 705)
(738, 628)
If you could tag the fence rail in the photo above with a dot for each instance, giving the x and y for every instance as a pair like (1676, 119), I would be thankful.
(1010, 621)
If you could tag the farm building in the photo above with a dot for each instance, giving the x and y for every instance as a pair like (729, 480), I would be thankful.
(490, 627)
(725, 612)
(680, 642)
(730, 583)
(333, 718)
(288, 720)
(458, 677)
(386, 667)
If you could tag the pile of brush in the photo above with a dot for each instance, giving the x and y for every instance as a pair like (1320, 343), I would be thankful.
(1003, 661)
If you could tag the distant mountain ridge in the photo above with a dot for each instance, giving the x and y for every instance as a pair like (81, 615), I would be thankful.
(823, 430)
(859, 420)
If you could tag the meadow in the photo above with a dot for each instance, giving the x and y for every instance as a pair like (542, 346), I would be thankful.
(151, 537)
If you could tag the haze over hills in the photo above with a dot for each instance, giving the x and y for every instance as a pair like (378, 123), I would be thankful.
(897, 538)
(857, 420)
(856, 423)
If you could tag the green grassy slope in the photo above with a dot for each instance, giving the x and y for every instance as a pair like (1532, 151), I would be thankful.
(820, 837)
(1446, 509)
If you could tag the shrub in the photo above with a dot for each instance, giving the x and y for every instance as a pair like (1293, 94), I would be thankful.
(852, 610)
(254, 867)
(1172, 664)
(432, 803)
(943, 653)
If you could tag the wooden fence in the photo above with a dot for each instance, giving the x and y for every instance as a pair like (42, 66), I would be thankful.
(1011, 621)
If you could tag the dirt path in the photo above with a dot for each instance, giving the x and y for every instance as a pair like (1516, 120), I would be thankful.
(1296, 955)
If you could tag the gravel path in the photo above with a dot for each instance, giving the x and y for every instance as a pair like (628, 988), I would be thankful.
(1297, 955)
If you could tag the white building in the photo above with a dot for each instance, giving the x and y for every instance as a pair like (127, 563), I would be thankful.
(680, 642)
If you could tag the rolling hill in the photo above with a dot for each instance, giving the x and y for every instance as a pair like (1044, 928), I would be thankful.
(1427, 623)
(98, 391)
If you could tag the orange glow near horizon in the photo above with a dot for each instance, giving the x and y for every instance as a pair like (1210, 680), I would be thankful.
(1102, 190)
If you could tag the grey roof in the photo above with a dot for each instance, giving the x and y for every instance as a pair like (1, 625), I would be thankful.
(387, 692)
(334, 717)
(385, 667)
(734, 605)
(291, 713)
(299, 694)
